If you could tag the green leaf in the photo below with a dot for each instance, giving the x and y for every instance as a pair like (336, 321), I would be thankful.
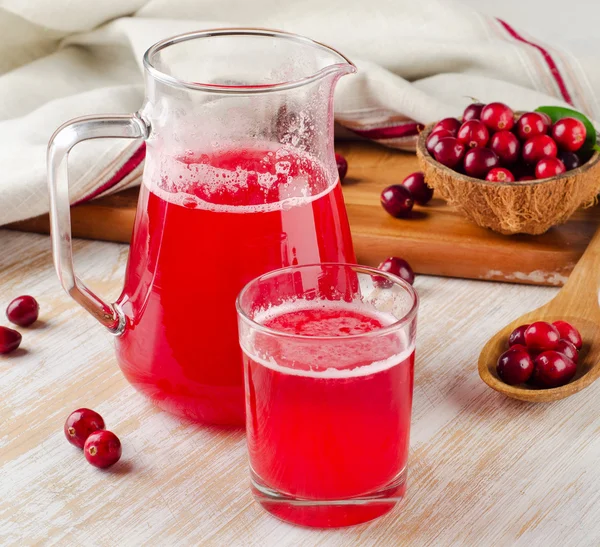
(558, 112)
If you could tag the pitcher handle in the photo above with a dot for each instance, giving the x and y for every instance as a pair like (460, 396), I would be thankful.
(64, 139)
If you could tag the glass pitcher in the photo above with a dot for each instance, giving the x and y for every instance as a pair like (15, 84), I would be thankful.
(239, 179)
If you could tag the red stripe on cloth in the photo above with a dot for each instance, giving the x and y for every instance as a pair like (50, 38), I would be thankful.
(547, 57)
(390, 132)
(135, 159)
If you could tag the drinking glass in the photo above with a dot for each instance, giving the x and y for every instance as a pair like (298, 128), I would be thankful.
(328, 367)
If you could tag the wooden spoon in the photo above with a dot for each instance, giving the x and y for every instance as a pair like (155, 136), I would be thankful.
(577, 303)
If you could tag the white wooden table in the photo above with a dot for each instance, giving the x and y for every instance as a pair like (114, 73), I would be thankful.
(484, 470)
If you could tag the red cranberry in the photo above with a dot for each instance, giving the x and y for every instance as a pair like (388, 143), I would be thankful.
(526, 178)
(397, 201)
(539, 147)
(80, 424)
(570, 159)
(434, 138)
(514, 366)
(569, 133)
(451, 125)
(23, 311)
(506, 146)
(530, 125)
(549, 167)
(553, 369)
(500, 174)
(449, 151)
(497, 116)
(342, 166)
(415, 182)
(541, 335)
(479, 161)
(568, 349)
(568, 332)
(472, 112)
(517, 336)
(473, 134)
(102, 448)
(547, 120)
(398, 266)
(9, 340)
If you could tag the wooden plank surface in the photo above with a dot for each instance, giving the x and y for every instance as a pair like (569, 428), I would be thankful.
(483, 469)
(436, 240)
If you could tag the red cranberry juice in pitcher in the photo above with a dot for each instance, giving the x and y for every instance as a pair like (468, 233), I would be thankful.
(336, 425)
(206, 225)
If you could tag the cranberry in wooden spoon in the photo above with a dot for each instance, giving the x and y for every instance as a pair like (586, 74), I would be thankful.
(23, 311)
(517, 336)
(515, 366)
(541, 335)
(553, 369)
(9, 340)
(568, 332)
(102, 448)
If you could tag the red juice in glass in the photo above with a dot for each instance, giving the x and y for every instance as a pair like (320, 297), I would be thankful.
(211, 224)
(328, 413)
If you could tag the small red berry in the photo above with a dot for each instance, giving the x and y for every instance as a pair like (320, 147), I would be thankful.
(497, 116)
(568, 332)
(472, 112)
(568, 349)
(541, 335)
(479, 161)
(536, 148)
(23, 311)
(506, 146)
(547, 120)
(397, 201)
(448, 151)
(342, 166)
(434, 138)
(500, 174)
(570, 159)
(569, 133)
(416, 185)
(553, 369)
(514, 366)
(473, 134)
(9, 340)
(102, 448)
(517, 336)
(451, 125)
(549, 167)
(398, 266)
(80, 424)
(530, 125)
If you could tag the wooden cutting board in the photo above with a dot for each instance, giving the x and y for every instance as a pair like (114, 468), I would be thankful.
(436, 240)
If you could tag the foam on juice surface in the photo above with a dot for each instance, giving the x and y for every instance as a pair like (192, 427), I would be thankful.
(238, 180)
(344, 353)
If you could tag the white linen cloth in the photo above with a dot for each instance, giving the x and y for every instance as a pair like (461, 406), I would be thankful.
(418, 62)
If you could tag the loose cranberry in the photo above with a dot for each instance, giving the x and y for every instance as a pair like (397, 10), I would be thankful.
(569, 133)
(541, 335)
(434, 138)
(9, 340)
(342, 166)
(570, 159)
(553, 369)
(473, 134)
(397, 201)
(398, 266)
(452, 125)
(80, 424)
(517, 336)
(472, 112)
(568, 349)
(549, 167)
(449, 151)
(500, 174)
(102, 448)
(568, 332)
(479, 161)
(514, 366)
(506, 146)
(526, 178)
(23, 311)
(530, 125)
(415, 182)
(497, 116)
(539, 147)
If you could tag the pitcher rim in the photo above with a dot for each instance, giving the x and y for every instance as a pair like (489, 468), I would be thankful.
(161, 76)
